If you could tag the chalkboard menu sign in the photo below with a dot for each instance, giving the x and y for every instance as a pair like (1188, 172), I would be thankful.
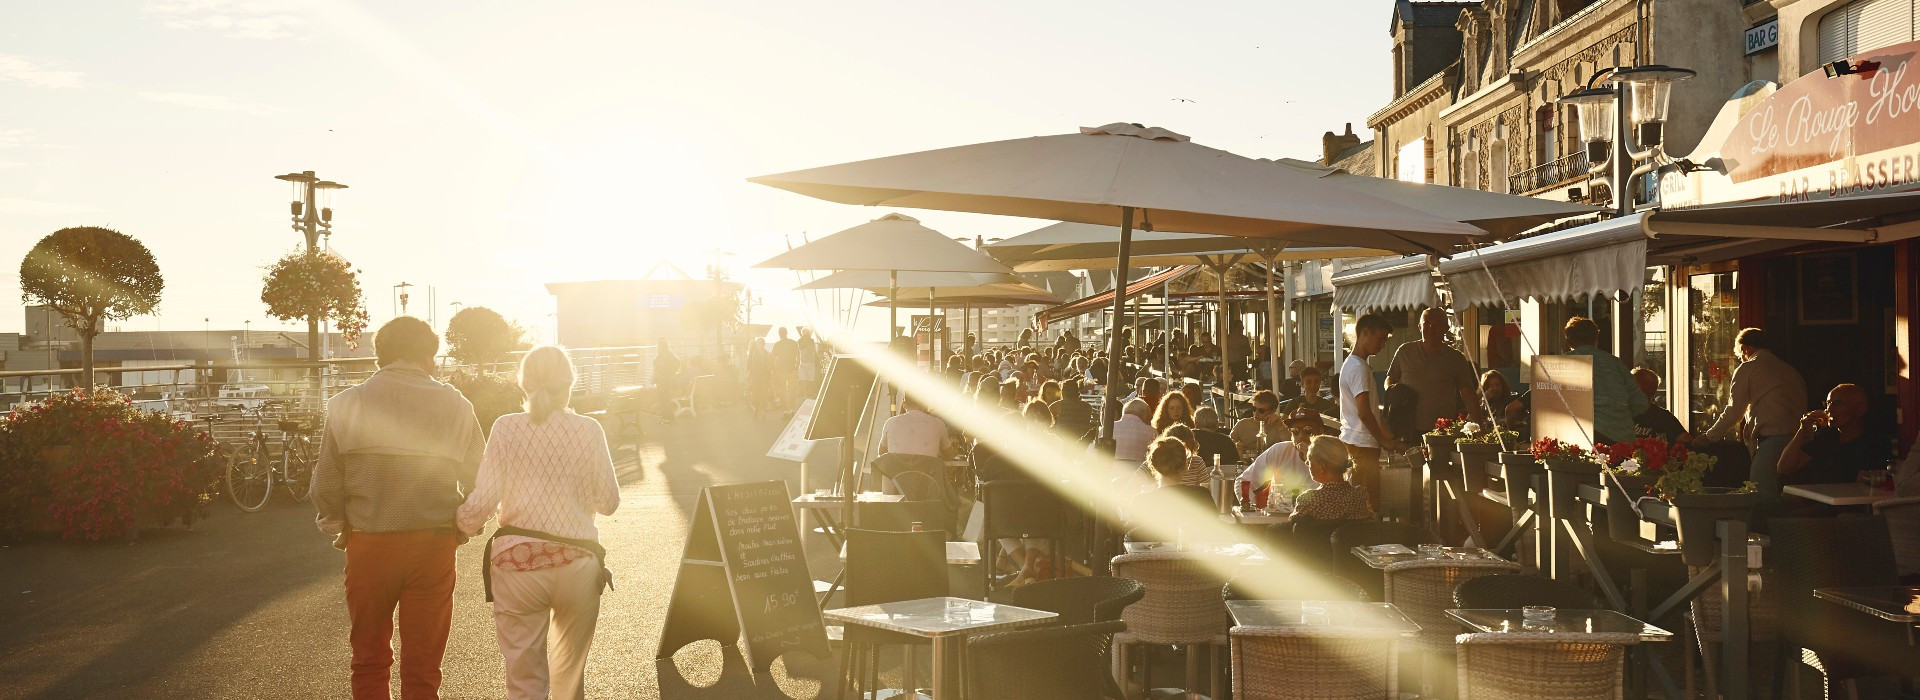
(744, 579)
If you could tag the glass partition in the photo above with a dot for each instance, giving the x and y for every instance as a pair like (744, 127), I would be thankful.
(1714, 319)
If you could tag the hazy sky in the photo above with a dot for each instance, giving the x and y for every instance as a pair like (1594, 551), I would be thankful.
(493, 146)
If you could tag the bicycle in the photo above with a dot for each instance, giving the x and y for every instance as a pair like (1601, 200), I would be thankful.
(252, 468)
(299, 453)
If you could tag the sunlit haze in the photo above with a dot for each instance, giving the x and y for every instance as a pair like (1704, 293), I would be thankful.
(493, 147)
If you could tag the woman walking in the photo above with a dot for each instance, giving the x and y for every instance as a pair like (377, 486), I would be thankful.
(546, 473)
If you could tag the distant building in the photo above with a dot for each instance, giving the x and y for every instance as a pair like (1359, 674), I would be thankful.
(625, 313)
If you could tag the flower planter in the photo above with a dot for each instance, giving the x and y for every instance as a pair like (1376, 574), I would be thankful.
(1623, 523)
(1440, 455)
(1518, 469)
(1564, 477)
(1475, 458)
(1696, 515)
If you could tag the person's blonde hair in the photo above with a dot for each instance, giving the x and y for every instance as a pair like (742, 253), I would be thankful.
(1328, 451)
(546, 378)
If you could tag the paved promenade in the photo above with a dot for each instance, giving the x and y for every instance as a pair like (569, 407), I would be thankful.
(249, 605)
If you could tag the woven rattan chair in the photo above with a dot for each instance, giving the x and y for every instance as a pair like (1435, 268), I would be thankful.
(1903, 524)
(1368, 534)
(1270, 664)
(1079, 599)
(1423, 591)
(1182, 605)
(1068, 662)
(1528, 666)
(1811, 553)
(1510, 591)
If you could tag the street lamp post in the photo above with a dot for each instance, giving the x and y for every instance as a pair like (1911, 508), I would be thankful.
(1636, 95)
(312, 209)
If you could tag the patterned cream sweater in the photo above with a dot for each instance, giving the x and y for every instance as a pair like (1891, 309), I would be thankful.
(551, 477)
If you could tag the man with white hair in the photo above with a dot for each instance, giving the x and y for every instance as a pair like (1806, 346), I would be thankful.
(1133, 432)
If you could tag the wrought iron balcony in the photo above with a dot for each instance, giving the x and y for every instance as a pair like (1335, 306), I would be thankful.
(1549, 175)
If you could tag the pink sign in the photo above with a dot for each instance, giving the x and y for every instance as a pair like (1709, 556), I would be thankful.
(1862, 126)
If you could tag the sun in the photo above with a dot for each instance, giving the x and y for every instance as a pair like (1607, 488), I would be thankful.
(628, 204)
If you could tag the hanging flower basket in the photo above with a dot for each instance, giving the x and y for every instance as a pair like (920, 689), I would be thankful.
(1697, 514)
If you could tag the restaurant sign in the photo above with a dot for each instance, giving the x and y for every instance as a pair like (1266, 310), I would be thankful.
(1816, 138)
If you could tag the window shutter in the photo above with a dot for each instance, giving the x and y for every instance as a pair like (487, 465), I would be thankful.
(1865, 25)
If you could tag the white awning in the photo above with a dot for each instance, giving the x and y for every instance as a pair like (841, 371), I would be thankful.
(1401, 283)
(1606, 257)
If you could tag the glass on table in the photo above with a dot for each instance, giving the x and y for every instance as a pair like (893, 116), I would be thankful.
(1431, 551)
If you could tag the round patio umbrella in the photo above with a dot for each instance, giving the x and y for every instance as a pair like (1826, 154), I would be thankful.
(939, 286)
(1108, 175)
(891, 244)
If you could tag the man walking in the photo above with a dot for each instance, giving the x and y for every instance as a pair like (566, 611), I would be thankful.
(1442, 378)
(786, 369)
(1770, 396)
(397, 454)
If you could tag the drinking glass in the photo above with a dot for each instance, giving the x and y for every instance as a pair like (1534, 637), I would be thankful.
(1431, 551)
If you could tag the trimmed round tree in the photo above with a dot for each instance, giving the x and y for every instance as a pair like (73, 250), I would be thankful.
(312, 285)
(478, 335)
(90, 276)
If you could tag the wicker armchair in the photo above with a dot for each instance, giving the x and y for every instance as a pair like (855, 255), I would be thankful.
(1903, 524)
(1080, 599)
(1527, 666)
(1182, 605)
(1368, 534)
(1518, 591)
(1423, 591)
(1270, 664)
(1067, 662)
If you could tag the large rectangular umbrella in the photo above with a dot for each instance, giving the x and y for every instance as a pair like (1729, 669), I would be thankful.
(1111, 174)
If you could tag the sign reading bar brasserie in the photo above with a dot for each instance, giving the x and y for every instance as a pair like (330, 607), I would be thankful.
(1819, 137)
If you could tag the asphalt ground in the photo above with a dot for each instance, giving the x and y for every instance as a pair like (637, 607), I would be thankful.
(249, 605)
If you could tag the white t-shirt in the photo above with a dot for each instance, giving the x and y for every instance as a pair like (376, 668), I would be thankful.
(913, 433)
(1356, 378)
(1282, 462)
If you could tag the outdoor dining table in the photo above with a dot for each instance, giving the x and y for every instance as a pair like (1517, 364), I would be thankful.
(825, 509)
(1899, 604)
(1249, 516)
(1843, 494)
(1569, 622)
(1239, 551)
(1379, 556)
(945, 620)
(1298, 615)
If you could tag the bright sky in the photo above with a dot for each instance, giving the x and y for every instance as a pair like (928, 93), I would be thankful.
(492, 147)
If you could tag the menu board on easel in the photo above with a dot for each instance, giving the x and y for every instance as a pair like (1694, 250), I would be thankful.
(1562, 396)
(744, 580)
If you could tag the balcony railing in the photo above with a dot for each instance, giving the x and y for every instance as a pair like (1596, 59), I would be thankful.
(1549, 175)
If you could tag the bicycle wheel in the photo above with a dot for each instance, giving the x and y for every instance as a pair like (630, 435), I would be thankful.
(249, 477)
(296, 468)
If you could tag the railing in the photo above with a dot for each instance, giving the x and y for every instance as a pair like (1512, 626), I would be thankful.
(1549, 175)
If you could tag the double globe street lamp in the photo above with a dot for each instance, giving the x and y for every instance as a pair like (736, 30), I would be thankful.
(312, 209)
(1612, 100)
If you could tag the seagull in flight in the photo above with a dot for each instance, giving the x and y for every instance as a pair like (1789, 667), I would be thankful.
(1181, 99)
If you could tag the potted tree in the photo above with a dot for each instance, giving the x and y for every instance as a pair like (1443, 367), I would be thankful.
(91, 276)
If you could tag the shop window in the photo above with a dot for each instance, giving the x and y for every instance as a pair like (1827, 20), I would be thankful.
(1713, 321)
(1653, 322)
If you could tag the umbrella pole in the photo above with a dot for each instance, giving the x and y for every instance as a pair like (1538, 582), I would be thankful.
(933, 339)
(1226, 371)
(893, 304)
(1273, 338)
(1109, 412)
(1166, 327)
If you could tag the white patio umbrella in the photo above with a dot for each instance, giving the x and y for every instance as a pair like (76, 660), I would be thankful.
(890, 244)
(1107, 175)
(939, 287)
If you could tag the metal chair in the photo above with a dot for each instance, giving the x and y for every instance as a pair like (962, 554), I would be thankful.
(1079, 599)
(1181, 606)
(1068, 662)
(1520, 590)
(1018, 509)
(1271, 664)
(1532, 666)
(885, 567)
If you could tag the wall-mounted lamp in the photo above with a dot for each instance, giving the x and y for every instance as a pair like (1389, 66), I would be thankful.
(1846, 67)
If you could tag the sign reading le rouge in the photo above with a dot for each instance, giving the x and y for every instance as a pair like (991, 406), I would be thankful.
(1863, 127)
